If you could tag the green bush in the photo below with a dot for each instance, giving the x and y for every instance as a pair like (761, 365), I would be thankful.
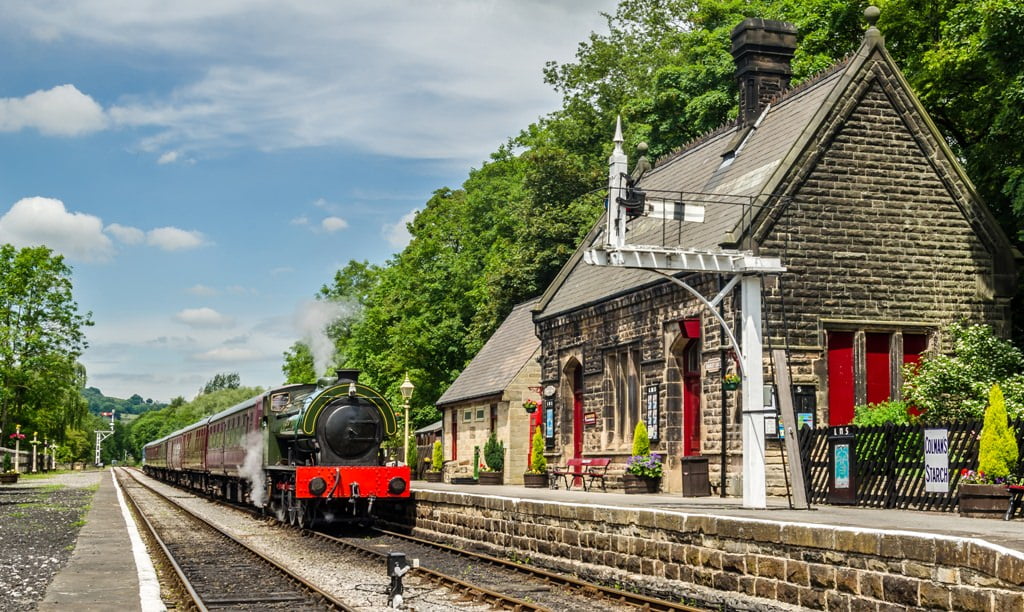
(494, 453)
(997, 448)
(894, 412)
(436, 459)
(414, 453)
(955, 387)
(538, 462)
(641, 442)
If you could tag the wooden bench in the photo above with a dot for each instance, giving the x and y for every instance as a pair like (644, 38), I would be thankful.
(585, 470)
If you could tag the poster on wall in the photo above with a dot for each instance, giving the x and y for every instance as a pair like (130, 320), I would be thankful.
(651, 412)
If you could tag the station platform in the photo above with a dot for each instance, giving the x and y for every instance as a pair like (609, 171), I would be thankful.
(109, 568)
(105, 574)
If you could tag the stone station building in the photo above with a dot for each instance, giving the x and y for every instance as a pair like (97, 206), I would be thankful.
(846, 180)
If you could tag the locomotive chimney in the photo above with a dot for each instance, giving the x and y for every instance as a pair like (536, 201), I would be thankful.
(347, 376)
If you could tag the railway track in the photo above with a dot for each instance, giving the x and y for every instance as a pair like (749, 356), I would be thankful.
(474, 580)
(213, 569)
(503, 582)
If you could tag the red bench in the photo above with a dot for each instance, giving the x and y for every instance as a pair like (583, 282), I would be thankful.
(584, 470)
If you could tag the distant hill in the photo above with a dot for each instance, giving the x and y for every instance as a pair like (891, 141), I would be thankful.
(99, 403)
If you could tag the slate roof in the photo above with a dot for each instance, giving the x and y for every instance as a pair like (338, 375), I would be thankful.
(730, 192)
(500, 359)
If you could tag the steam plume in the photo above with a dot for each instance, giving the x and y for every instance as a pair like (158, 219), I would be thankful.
(252, 469)
(312, 319)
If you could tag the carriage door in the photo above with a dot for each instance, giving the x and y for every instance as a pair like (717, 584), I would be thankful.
(691, 398)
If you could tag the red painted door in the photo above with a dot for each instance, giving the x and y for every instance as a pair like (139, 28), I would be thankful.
(455, 434)
(877, 357)
(840, 378)
(577, 424)
(691, 399)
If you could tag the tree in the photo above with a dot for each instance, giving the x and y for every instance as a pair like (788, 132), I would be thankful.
(41, 338)
(219, 382)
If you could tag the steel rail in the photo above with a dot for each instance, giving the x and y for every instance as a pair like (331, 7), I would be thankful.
(179, 573)
(330, 600)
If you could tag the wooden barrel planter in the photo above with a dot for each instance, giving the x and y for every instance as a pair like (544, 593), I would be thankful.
(9, 478)
(983, 500)
(432, 476)
(640, 484)
(535, 481)
(492, 478)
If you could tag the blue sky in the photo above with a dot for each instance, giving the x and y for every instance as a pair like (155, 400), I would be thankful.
(205, 166)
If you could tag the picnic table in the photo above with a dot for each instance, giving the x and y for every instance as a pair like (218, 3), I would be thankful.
(584, 470)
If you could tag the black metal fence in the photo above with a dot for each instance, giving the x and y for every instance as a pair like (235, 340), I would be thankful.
(888, 466)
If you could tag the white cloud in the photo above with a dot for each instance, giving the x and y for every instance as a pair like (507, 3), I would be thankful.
(397, 234)
(230, 354)
(168, 158)
(44, 221)
(204, 317)
(60, 111)
(429, 83)
(201, 290)
(301, 220)
(333, 224)
(126, 234)
(174, 239)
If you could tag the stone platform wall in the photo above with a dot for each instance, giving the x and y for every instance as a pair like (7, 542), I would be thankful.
(731, 560)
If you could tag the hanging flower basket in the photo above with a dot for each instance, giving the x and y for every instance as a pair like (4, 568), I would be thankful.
(530, 406)
(731, 382)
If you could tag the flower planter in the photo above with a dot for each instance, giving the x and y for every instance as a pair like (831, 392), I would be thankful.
(535, 481)
(640, 484)
(983, 500)
(9, 478)
(463, 480)
(492, 478)
(730, 386)
(432, 476)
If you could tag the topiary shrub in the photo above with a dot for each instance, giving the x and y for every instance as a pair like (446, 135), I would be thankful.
(641, 441)
(494, 453)
(538, 462)
(414, 453)
(997, 448)
(436, 459)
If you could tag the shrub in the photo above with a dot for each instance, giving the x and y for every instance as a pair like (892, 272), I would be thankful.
(538, 462)
(436, 459)
(997, 453)
(894, 412)
(955, 387)
(494, 453)
(414, 453)
(7, 463)
(641, 442)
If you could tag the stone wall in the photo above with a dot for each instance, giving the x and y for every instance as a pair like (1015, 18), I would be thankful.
(732, 560)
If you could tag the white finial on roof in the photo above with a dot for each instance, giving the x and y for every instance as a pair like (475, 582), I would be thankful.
(618, 140)
(618, 167)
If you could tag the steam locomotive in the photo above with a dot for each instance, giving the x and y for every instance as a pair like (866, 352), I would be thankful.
(304, 453)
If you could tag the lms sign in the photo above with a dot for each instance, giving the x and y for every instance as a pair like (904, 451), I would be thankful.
(936, 461)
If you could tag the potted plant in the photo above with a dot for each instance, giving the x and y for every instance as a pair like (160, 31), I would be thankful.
(8, 475)
(530, 406)
(536, 477)
(644, 469)
(731, 381)
(494, 459)
(412, 459)
(984, 493)
(436, 463)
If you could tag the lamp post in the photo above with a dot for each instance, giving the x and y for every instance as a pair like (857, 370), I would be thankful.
(46, 456)
(35, 443)
(53, 455)
(406, 390)
(17, 447)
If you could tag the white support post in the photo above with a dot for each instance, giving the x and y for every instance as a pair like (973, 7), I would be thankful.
(754, 489)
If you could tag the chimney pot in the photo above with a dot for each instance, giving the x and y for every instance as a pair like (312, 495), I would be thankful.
(762, 50)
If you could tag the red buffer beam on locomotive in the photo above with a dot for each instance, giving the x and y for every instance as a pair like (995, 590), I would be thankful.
(302, 452)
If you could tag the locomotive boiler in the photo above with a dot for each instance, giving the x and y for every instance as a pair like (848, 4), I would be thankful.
(302, 452)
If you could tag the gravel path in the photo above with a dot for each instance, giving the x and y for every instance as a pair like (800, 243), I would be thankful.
(39, 522)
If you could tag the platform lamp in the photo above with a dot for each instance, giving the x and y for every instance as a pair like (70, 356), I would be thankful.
(406, 390)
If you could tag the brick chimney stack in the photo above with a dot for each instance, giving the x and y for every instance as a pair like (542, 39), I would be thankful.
(762, 50)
